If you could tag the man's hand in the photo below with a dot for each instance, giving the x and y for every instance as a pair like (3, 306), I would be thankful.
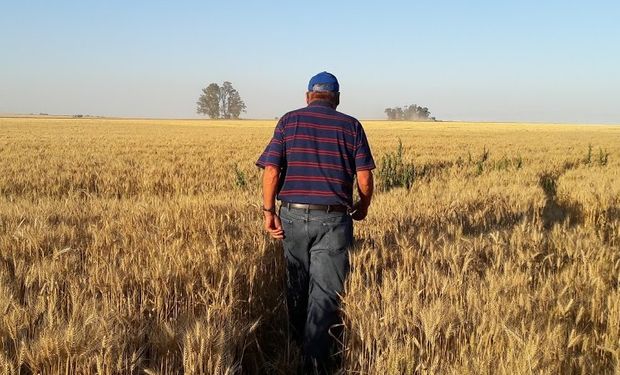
(365, 187)
(359, 211)
(273, 225)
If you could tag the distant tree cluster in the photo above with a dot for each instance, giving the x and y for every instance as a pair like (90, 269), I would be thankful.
(220, 102)
(412, 112)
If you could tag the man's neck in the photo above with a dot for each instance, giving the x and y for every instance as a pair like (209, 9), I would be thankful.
(321, 103)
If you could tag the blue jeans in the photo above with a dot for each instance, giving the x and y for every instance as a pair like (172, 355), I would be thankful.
(316, 247)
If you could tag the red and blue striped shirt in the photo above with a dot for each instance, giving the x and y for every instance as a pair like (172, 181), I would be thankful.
(318, 151)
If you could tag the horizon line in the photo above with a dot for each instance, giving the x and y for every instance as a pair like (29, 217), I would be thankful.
(42, 115)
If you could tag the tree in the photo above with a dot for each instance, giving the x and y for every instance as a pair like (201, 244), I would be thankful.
(220, 101)
(209, 102)
(398, 113)
(231, 101)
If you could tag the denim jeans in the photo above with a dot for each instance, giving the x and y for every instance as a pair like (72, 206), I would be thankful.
(316, 247)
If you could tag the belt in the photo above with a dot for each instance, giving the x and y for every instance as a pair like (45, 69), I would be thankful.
(319, 207)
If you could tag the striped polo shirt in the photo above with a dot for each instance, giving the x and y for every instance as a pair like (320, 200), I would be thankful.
(318, 150)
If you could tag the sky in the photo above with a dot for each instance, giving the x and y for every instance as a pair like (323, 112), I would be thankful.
(539, 61)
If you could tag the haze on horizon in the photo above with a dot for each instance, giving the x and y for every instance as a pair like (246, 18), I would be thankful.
(554, 61)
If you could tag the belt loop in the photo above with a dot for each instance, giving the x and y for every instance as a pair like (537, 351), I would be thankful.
(328, 208)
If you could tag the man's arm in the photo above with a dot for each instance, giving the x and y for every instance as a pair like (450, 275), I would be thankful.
(365, 187)
(273, 225)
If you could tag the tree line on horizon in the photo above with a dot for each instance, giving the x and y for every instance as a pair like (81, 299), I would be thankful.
(411, 112)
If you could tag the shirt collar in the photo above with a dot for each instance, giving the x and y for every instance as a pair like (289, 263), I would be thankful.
(321, 103)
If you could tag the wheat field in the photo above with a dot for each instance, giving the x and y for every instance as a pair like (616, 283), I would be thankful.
(136, 246)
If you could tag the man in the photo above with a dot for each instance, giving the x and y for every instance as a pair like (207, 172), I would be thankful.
(310, 163)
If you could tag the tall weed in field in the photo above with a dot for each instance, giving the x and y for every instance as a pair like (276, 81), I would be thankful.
(394, 171)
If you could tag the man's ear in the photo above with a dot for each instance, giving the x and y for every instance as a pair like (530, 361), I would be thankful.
(337, 99)
(307, 97)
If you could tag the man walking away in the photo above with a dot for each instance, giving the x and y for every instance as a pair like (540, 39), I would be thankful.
(311, 164)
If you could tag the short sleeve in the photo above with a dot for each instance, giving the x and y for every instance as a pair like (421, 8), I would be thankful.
(274, 152)
(363, 157)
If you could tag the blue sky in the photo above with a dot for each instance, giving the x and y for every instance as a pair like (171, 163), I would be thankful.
(556, 61)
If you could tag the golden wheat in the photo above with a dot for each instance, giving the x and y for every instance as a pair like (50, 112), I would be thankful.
(135, 246)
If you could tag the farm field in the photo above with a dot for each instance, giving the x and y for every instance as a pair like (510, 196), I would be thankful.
(136, 246)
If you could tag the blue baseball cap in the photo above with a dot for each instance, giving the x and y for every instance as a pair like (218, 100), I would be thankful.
(324, 81)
